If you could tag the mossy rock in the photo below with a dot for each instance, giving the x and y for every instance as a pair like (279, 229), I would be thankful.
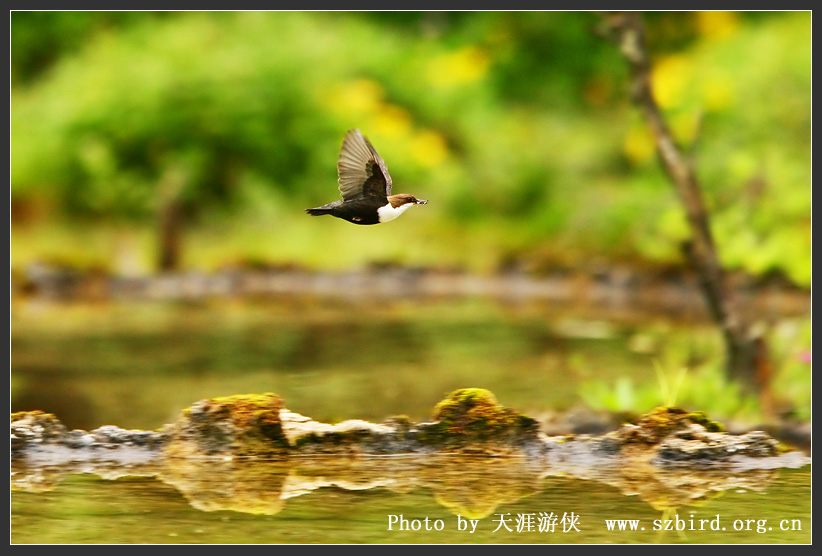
(36, 426)
(662, 422)
(41, 417)
(246, 425)
(473, 415)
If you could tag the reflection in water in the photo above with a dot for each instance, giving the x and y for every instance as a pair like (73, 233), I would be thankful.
(473, 487)
(674, 488)
(228, 485)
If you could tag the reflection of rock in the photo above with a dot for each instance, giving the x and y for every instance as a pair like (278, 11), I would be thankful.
(398, 474)
(471, 486)
(35, 479)
(248, 453)
(467, 485)
(42, 478)
(673, 488)
(475, 487)
(247, 486)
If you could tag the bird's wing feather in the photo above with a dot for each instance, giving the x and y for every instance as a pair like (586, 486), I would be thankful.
(361, 170)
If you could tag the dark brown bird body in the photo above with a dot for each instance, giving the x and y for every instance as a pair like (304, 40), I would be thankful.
(365, 186)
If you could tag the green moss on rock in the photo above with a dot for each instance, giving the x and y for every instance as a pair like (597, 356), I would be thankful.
(37, 415)
(710, 425)
(472, 415)
(34, 427)
(661, 422)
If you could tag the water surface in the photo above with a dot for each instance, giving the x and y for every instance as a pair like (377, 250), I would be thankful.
(85, 508)
(139, 365)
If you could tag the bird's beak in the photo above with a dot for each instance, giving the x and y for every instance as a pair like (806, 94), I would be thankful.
(422, 202)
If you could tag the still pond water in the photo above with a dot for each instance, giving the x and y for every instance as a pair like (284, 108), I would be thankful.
(139, 366)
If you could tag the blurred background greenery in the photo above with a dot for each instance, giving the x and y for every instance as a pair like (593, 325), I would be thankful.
(515, 125)
(208, 133)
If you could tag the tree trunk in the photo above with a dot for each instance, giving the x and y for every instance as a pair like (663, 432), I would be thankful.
(747, 360)
(170, 240)
(171, 217)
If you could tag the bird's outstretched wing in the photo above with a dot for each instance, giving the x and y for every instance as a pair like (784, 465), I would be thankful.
(361, 170)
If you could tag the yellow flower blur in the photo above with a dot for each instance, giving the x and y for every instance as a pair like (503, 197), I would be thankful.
(717, 25)
(392, 121)
(361, 96)
(428, 148)
(638, 145)
(671, 77)
(466, 65)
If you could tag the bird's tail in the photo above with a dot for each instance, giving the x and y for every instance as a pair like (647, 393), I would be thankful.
(318, 211)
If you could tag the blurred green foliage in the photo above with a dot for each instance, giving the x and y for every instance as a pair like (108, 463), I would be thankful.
(516, 126)
(690, 374)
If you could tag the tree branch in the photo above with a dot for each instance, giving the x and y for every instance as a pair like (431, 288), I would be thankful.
(746, 355)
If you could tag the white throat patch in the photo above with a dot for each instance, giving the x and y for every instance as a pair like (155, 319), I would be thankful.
(388, 213)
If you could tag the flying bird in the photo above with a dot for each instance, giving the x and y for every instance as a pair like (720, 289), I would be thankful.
(365, 186)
